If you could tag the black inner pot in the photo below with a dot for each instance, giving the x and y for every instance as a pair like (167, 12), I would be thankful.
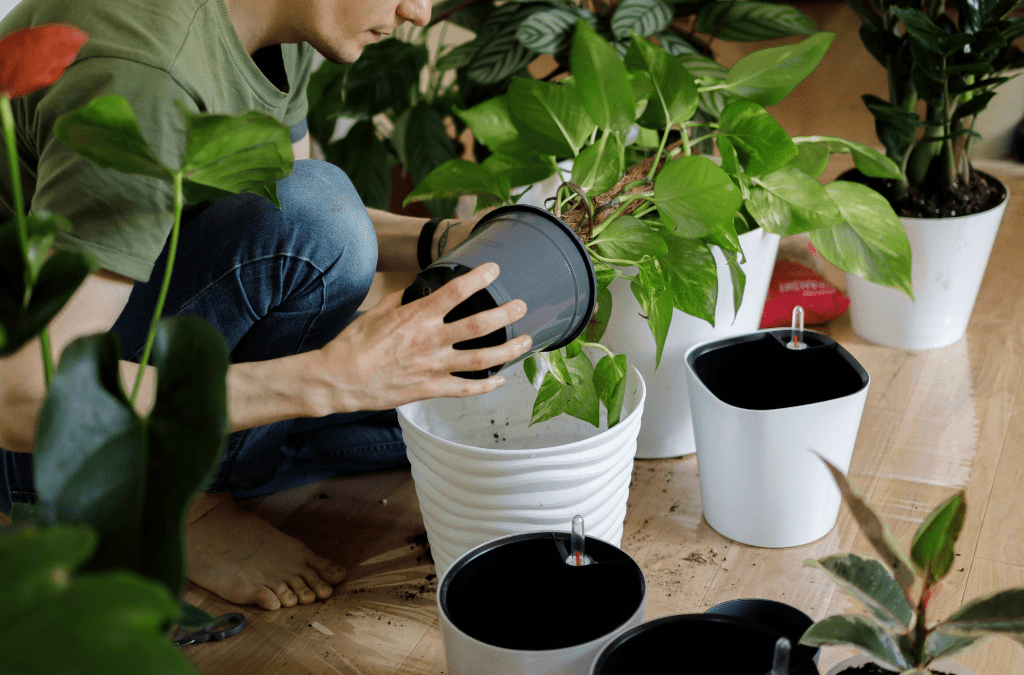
(697, 644)
(520, 594)
(759, 372)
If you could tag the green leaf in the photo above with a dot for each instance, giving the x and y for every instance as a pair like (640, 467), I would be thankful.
(186, 430)
(695, 196)
(90, 457)
(193, 618)
(112, 623)
(107, 134)
(558, 367)
(811, 158)
(939, 645)
(761, 143)
(380, 80)
(229, 154)
(502, 55)
(37, 562)
(549, 31)
(768, 75)
(599, 322)
(428, 146)
(675, 93)
(610, 378)
(860, 632)
(520, 169)
(876, 531)
(367, 161)
(578, 399)
(491, 123)
(549, 116)
(738, 278)
(870, 582)
(574, 348)
(601, 80)
(870, 241)
(642, 17)
(657, 302)
(629, 239)
(932, 546)
(921, 28)
(788, 201)
(599, 166)
(691, 275)
(530, 367)
(1001, 613)
(869, 161)
(458, 177)
(752, 20)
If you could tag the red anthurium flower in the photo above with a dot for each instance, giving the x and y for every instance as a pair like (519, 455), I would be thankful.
(33, 58)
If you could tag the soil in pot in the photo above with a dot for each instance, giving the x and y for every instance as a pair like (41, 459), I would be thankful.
(981, 193)
(875, 669)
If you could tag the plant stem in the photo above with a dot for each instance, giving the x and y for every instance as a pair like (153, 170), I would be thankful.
(599, 346)
(158, 310)
(625, 202)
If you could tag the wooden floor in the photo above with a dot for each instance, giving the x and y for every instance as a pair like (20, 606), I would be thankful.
(935, 422)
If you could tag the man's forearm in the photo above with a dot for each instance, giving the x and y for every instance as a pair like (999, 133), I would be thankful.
(398, 238)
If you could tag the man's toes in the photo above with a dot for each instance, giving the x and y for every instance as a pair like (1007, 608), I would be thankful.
(267, 599)
(327, 570)
(285, 595)
(322, 589)
(301, 590)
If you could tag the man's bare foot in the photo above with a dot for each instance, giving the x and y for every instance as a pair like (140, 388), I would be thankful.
(245, 560)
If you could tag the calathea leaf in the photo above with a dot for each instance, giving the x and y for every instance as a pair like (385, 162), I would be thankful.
(932, 546)
(642, 17)
(788, 201)
(768, 75)
(457, 57)
(629, 240)
(549, 31)
(695, 196)
(428, 146)
(548, 116)
(869, 241)
(367, 161)
(746, 21)
(381, 78)
(501, 54)
(457, 177)
(867, 580)
(601, 80)
(610, 378)
(691, 275)
(860, 632)
(761, 144)
(578, 399)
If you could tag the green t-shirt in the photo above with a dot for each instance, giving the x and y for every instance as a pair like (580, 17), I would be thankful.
(152, 52)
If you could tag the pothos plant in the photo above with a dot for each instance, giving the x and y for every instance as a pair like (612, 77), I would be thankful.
(94, 573)
(897, 591)
(399, 95)
(649, 210)
(952, 61)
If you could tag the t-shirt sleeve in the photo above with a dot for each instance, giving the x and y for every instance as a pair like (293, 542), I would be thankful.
(299, 64)
(122, 220)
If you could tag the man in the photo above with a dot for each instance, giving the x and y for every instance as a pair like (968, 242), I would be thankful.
(312, 386)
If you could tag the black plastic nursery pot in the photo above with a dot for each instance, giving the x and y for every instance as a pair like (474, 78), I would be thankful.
(542, 262)
(699, 644)
(775, 616)
(517, 592)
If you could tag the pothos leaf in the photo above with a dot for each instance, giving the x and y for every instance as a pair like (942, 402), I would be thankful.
(610, 377)
(578, 398)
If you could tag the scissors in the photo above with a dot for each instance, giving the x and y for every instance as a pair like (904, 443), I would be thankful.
(231, 624)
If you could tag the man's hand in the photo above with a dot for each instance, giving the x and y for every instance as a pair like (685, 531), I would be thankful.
(395, 354)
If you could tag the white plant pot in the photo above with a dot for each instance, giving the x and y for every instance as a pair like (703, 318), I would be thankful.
(949, 256)
(481, 471)
(667, 429)
(759, 408)
(859, 660)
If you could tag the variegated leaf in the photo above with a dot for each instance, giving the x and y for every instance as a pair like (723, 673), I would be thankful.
(643, 17)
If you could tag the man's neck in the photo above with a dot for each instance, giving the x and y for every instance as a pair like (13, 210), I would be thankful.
(256, 23)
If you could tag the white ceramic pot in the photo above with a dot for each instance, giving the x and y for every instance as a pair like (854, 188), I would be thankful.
(667, 429)
(481, 471)
(949, 256)
(512, 606)
(854, 661)
(758, 409)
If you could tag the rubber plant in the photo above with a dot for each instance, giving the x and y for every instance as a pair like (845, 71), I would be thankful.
(951, 56)
(897, 591)
(648, 209)
(399, 95)
(94, 574)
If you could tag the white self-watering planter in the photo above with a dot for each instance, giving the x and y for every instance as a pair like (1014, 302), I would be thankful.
(949, 257)
(481, 471)
(513, 606)
(542, 262)
(759, 408)
(668, 425)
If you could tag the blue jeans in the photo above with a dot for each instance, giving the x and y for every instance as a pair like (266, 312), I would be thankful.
(274, 283)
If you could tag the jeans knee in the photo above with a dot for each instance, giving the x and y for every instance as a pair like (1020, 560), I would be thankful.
(321, 197)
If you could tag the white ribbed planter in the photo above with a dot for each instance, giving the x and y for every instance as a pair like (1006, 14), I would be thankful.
(949, 256)
(668, 424)
(482, 472)
(854, 661)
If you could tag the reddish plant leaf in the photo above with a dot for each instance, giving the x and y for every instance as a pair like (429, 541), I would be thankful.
(33, 58)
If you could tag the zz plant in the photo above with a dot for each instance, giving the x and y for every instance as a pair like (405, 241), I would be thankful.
(648, 208)
(94, 574)
(897, 591)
